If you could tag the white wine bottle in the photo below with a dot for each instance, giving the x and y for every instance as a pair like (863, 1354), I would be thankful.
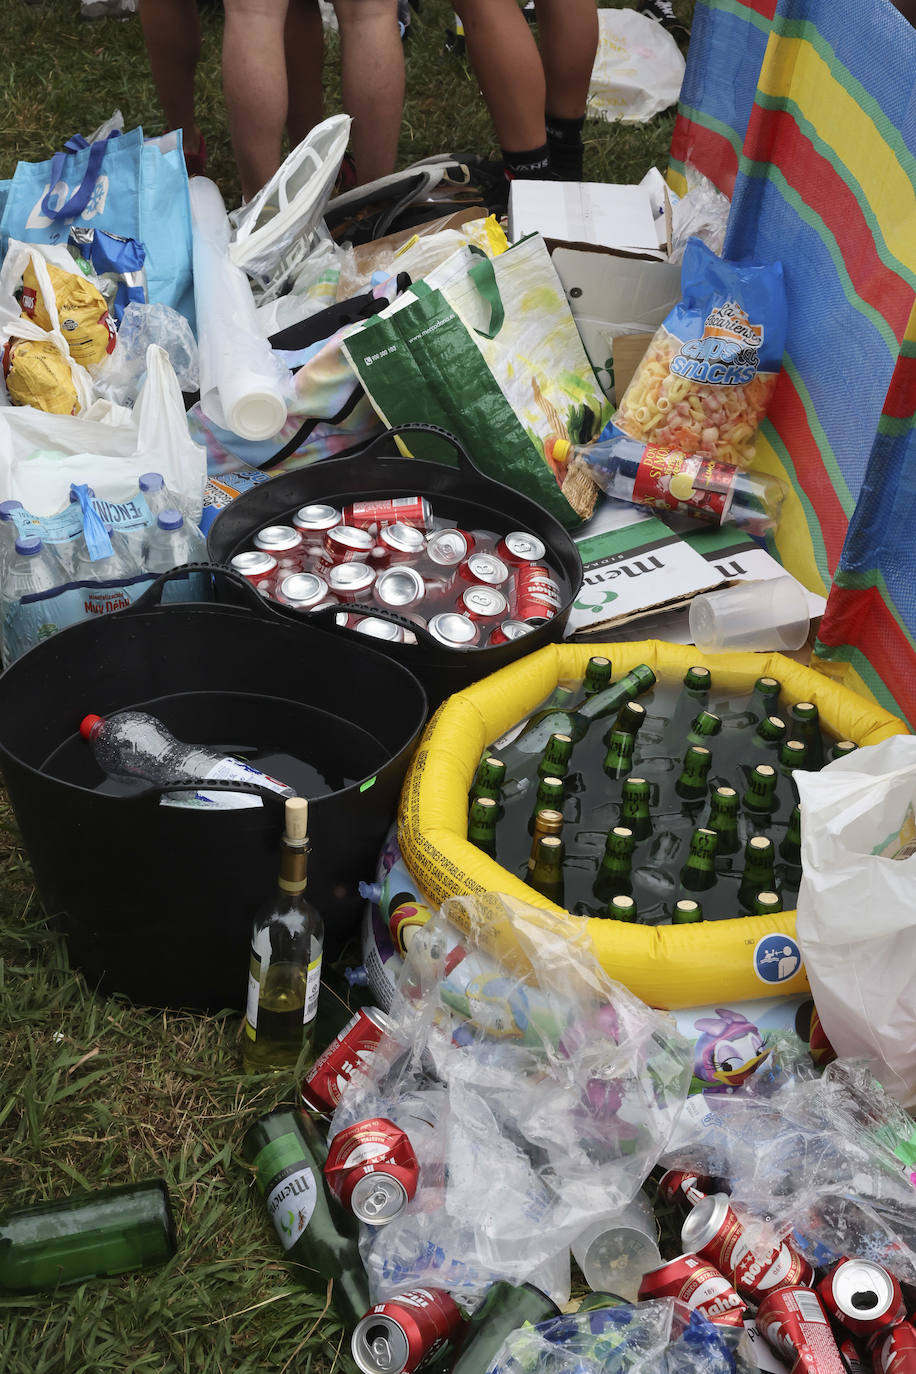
(285, 969)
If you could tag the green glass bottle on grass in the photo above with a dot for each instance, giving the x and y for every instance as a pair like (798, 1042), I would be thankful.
(91, 1234)
(317, 1234)
(285, 966)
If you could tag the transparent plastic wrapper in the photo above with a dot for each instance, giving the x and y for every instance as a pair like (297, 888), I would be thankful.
(660, 1335)
(828, 1162)
(120, 378)
(688, 484)
(710, 371)
(552, 1079)
(702, 212)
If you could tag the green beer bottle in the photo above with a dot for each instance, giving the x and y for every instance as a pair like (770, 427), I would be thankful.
(790, 845)
(547, 821)
(84, 1236)
(770, 733)
(555, 758)
(619, 757)
(759, 872)
(686, 911)
(546, 876)
(704, 726)
(806, 726)
(760, 792)
(614, 875)
(766, 694)
(691, 785)
(699, 872)
(489, 778)
(482, 824)
(723, 819)
(504, 1309)
(631, 717)
(793, 753)
(550, 793)
(692, 699)
(622, 908)
(766, 904)
(634, 807)
(593, 1301)
(288, 1154)
(530, 744)
(597, 675)
(842, 748)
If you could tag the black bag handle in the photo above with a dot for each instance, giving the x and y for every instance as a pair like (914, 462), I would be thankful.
(465, 462)
(152, 597)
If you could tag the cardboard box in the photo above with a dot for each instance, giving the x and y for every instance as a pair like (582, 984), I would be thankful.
(608, 246)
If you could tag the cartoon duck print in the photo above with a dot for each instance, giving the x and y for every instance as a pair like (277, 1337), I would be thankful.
(728, 1050)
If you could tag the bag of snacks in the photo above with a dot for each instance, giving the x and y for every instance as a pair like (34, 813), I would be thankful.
(706, 379)
(82, 312)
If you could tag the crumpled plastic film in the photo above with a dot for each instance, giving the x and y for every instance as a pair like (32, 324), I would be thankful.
(828, 1161)
(550, 1079)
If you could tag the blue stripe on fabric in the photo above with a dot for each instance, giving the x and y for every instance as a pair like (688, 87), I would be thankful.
(721, 80)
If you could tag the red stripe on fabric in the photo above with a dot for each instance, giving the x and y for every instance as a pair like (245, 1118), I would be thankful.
(862, 618)
(790, 419)
(709, 152)
(774, 136)
(766, 8)
(900, 402)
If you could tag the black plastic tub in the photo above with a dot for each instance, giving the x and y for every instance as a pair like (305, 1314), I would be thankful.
(462, 491)
(156, 902)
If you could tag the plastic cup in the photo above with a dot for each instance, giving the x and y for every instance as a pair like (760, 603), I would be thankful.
(751, 615)
(616, 1250)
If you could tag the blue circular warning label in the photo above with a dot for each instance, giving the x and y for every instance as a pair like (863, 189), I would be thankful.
(776, 958)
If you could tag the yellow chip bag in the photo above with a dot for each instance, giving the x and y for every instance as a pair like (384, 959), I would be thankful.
(81, 309)
(37, 375)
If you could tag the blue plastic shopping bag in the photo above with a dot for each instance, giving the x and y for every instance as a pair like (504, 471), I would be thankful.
(122, 184)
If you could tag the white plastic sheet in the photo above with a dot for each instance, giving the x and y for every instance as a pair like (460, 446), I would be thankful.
(638, 68)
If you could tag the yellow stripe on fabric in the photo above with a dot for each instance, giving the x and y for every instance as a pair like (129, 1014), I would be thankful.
(793, 537)
(792, 65)
(909, 336)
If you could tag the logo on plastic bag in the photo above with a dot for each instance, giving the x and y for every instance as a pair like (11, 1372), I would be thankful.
(61, 193)
(777, 958)
(728, 352)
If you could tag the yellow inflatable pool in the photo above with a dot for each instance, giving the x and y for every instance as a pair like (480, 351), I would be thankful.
(667, 966)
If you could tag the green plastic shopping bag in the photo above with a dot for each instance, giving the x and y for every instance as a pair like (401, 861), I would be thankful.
(488, 349)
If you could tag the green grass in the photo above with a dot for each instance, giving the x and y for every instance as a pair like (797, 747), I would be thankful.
(95, 1091)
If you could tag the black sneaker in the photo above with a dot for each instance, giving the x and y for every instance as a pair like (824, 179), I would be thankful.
(662, 11)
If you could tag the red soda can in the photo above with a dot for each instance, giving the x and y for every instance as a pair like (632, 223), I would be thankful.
(520, 547)
(895, 1352)
(394, 1337)
(716, 1232)
(257, 566)
(407, 510)
(537, 594)
(449, 547)
(347, 544)
(485, 568)
(454, 631)
(351, 581)
(398, 543)
(678, 1184)
(863, 1297)
(278, 539)
(698, 1284)
(332, 1070)
(399, 587)
(854, 1362)
(375, 628)
(303, 591)
(482, 603)
(795, 1324)
(371, 1168)
(509, 630)
(312, 521)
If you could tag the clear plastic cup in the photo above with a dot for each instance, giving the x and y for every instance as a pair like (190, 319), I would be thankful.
(616, 1250)
(751, 615)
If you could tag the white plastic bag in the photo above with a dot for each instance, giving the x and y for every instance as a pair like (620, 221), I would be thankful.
(638, 68)
(13, 324)
(107, 446)
(857, 906)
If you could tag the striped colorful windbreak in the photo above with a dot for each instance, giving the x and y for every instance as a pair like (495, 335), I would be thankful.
(826, 182)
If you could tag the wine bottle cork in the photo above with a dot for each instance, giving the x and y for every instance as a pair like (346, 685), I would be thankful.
(297, 818)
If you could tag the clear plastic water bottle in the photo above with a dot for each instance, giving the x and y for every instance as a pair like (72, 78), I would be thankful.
(156, 494)
(174, 541)
(134, 744)
(9, 533)
(33, 568)
(120, 564)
